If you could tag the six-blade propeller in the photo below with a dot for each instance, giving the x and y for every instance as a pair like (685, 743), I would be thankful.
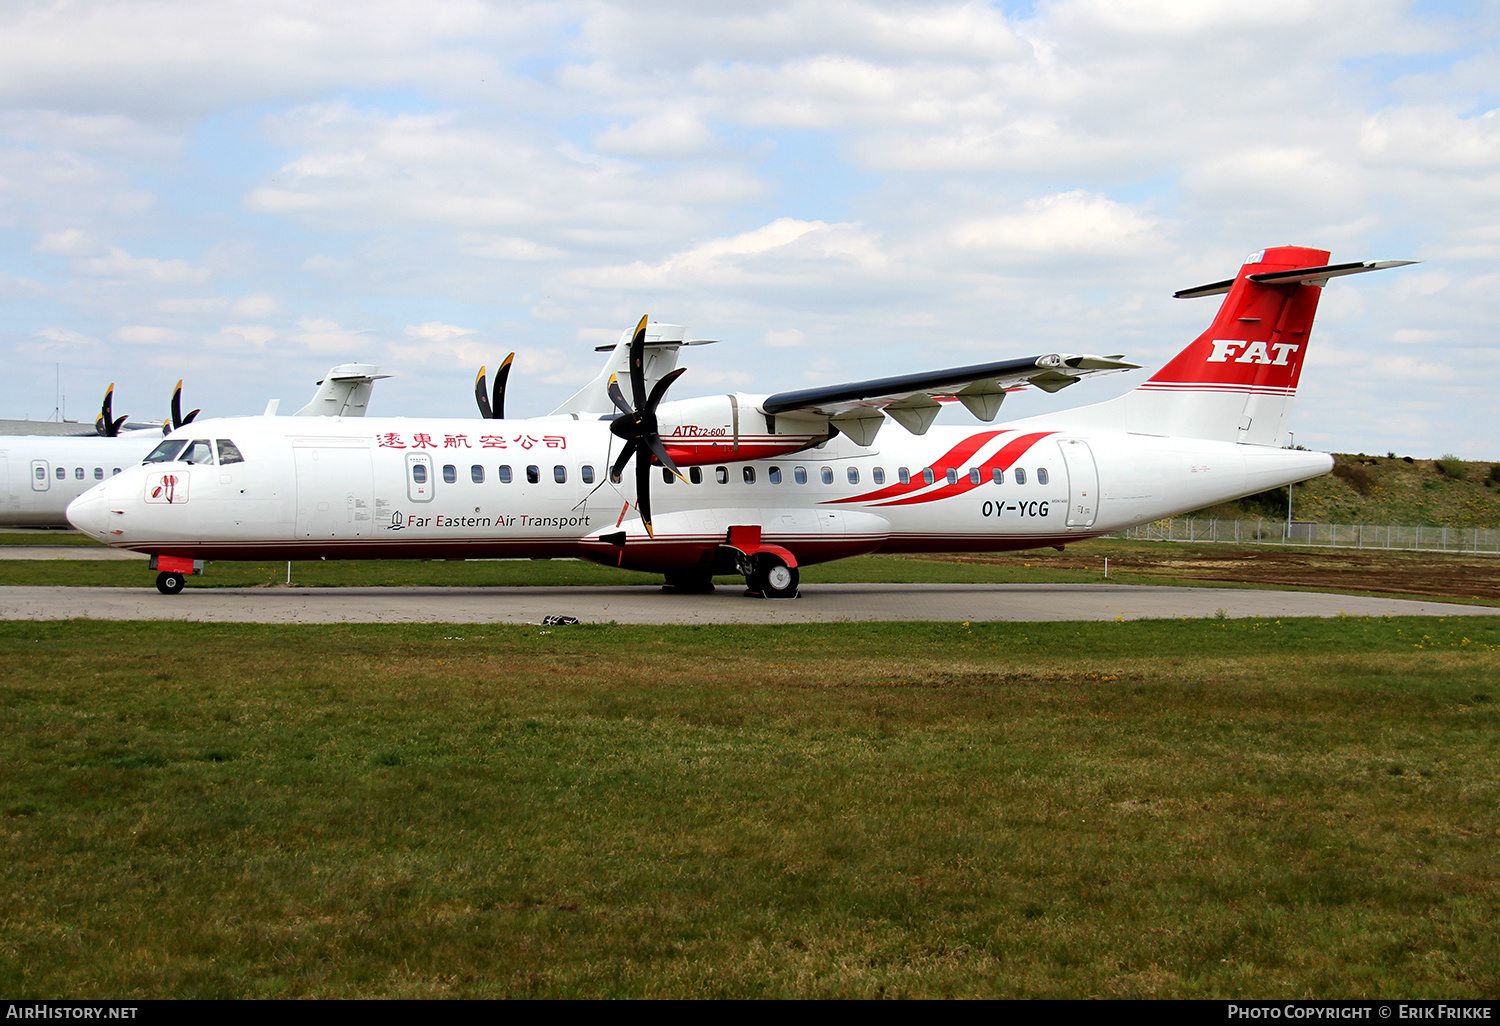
(106, 423)
(637, 425)
(487, 409)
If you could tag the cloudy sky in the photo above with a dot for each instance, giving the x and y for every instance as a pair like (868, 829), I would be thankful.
(243, 194)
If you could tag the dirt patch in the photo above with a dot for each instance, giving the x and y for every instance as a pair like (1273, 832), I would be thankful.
(1428, 574)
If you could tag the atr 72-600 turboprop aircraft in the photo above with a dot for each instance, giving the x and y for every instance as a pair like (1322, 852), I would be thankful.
(773, 482)
(41, 474)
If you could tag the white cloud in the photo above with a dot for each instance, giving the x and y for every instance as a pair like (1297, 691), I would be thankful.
(1066, 224)
(320, 335)
(151, 335)
(257, 306)
(116, 263)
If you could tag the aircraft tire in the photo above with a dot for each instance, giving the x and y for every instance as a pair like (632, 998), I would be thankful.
(169, 582)
(773, 578)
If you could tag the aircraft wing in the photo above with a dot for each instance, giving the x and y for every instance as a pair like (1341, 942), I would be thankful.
(912, 400)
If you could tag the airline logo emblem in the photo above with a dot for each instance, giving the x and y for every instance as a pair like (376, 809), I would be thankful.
(167, 488)
(1244, 351)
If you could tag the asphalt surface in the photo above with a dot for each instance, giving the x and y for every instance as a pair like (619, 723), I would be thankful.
(821, 603)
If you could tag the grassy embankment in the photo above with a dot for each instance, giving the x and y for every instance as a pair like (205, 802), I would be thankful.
(1185, 808)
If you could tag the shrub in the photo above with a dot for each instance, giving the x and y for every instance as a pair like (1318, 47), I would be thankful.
(1450, 466)
(1494, 477)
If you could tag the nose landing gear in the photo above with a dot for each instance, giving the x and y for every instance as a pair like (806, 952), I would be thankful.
(170, 582)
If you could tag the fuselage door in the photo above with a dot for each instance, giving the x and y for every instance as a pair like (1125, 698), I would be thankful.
(335, 491)
(41, 476)
(1083, 482)
(418, 477)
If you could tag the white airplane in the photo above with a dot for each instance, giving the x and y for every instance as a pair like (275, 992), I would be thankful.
(41, 474)
(772, 482)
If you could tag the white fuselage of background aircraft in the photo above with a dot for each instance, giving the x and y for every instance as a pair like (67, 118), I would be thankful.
(41, 474)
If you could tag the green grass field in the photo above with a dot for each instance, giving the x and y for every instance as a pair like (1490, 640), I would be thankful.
(1171, 808)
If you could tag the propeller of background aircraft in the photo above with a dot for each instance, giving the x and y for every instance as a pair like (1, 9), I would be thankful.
(106, 424)
(487, 409)
(177, 418)
(637, 425)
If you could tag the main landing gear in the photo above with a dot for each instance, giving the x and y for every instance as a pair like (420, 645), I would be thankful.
(770, 577)
(170, 582)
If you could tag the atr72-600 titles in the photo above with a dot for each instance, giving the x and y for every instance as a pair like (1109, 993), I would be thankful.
(771, 482)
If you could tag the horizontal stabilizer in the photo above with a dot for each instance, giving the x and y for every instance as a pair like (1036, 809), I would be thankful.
(1297, 276)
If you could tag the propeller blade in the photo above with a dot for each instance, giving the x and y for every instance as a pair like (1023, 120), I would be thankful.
(481, 396)
(660, 452)
(661, 388)
(189, 418)
(643, 492)
(177, 405)
(105, 423)
(99, 425)
(502, 375)
(115, 431)
(619, 397)
(638, 364)
(627, 451)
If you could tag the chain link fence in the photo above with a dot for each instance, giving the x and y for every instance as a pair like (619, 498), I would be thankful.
(1478, 540)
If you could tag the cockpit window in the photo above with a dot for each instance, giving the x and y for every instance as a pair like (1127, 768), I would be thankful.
(166, 451)
(198, 451)
(229, 452)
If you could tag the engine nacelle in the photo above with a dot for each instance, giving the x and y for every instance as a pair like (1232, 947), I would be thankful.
(718, 428)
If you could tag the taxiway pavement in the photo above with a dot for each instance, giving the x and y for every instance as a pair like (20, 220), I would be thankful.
(819, 603)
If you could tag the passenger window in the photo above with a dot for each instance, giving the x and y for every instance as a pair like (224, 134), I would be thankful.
(450, 474)
(974, 477)
(928, 476)
(878, 475)
(198, 452)
(533, 473)
(229, 452)
(1020, 476)
(721, 475)
(774, 475)
(800, 475)
(1041, 475)
(78, 473)
(166, 451)
(854, 475)
(749, 474)
(41, 473)
(62, 475)
(667, 477)
(503, 474)
(419, 473)
(587, 473)
(952, 475)
(997, 475)
(116, 471)
(476, 474)
(903, 475)
(560, 474)
(827, 475)
(99, 473)
(695, 475)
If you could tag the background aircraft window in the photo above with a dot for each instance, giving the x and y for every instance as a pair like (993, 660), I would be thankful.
(1020, 476)
(450, 473)
(587, 473)
(826, 474)
(41, 473)
(99, 473)
(667, 477)
(419, 473)
(721, 475)
(533, 473)
(116, 471)
(854, 475)
(198, 452)
(774, 475)
(903, 475)
(167, 450)
(1041, 475)
(560, 474)
(78, 473)
(476, 474)
(749, 473)
(503, 474)
(974, 477)
(997, 475)
(62, 475)
(800, 475)
(928, 476)
(695, 475)
(878, 475)
(229, 452)
(952, 475)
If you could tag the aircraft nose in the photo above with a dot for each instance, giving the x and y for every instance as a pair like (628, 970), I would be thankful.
(90, 512)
